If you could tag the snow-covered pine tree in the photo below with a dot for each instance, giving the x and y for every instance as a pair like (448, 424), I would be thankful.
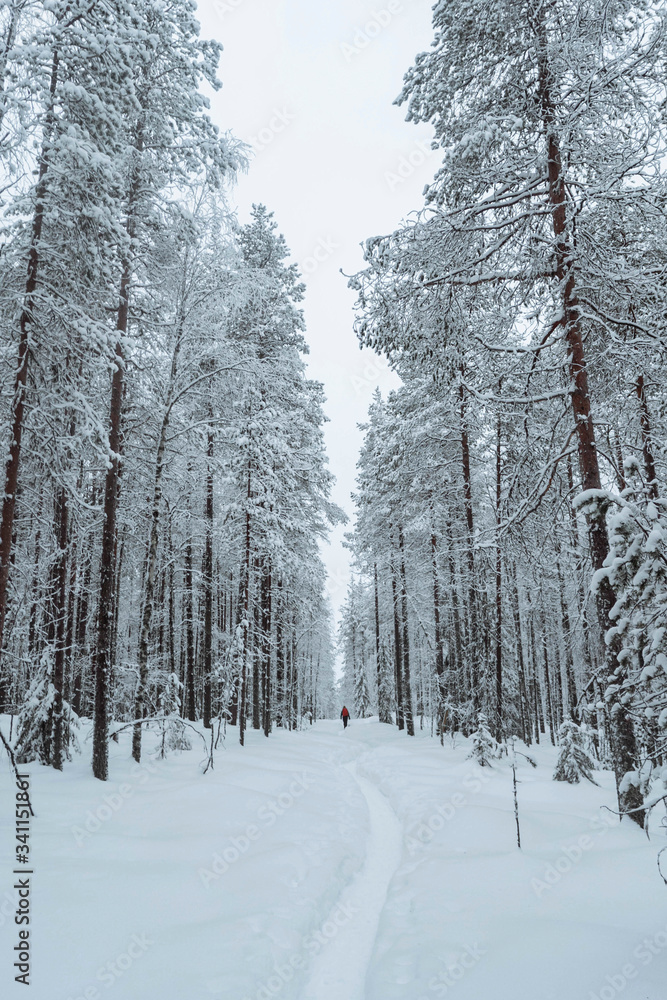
(174, 732)
(169, 63)
(524, 109)
(484, 746)
(362, 698)
(574, 761)
(637, 570)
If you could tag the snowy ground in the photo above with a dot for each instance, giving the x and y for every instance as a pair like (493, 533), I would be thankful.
(360, 865)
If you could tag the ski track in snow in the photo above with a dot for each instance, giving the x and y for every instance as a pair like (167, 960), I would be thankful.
(339, 970)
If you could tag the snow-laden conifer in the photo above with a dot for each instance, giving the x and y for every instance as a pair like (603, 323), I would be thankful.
(574, 761)
(484, 747)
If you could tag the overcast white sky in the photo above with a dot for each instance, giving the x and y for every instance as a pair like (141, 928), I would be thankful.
(311, 83)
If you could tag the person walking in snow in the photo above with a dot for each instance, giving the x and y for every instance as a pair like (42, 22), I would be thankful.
(345, 715)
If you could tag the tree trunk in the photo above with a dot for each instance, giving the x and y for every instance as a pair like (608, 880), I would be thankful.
(647, 445)
(17, 410)
(189, 635)
(244, 609)
(407, 688)
(384, 712)
(208, 583)
(523, 692)
(60, 616)
(256, 646)
(439, 642)
(151, 560)
(567, 638)
(624, 747)
(472, 630)
(499, 597)
(266, 643)
(108, 558)
(398, 652)
(279, 698)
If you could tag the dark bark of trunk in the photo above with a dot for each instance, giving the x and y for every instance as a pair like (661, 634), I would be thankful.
(79, 702)
(244, 608)
(398, 652)
(567, 638)
(547, 684)
(499, 596)
(384, 712)
(558, 688)
(624, 747)
(107, 622)
(537, 694)
(152, 555)
(439, 642)
(459, 690)
(526, 729)
(60, 616)
(108, 556)
(472, 609)
(579, 571)
(280, 658)
(70, 666)
(407, 687)
(35, 589)
(208, 585)
(256, 647)
(266, 645)
(17, 411)
(189, 635)
(619, 470)
(171, 641)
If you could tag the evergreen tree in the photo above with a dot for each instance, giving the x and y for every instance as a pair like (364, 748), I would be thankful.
(484, 747)
(573, 761)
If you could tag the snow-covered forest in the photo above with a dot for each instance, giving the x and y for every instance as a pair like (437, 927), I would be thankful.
(174, 651)
(166, 485)
(511, 493)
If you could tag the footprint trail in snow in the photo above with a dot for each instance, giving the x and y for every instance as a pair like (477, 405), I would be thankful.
(339, 970)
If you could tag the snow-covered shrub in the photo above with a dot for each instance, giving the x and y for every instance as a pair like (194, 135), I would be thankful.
(174, 732)
(484, 746)
(574, 761)
(35, 722)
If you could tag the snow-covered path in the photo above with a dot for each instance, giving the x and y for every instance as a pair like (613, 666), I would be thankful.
(322, 864)
(339, 970)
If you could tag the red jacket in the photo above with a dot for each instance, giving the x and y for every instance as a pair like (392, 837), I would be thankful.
(344, 713)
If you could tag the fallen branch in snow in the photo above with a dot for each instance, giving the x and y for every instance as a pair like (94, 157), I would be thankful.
(157, 718)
